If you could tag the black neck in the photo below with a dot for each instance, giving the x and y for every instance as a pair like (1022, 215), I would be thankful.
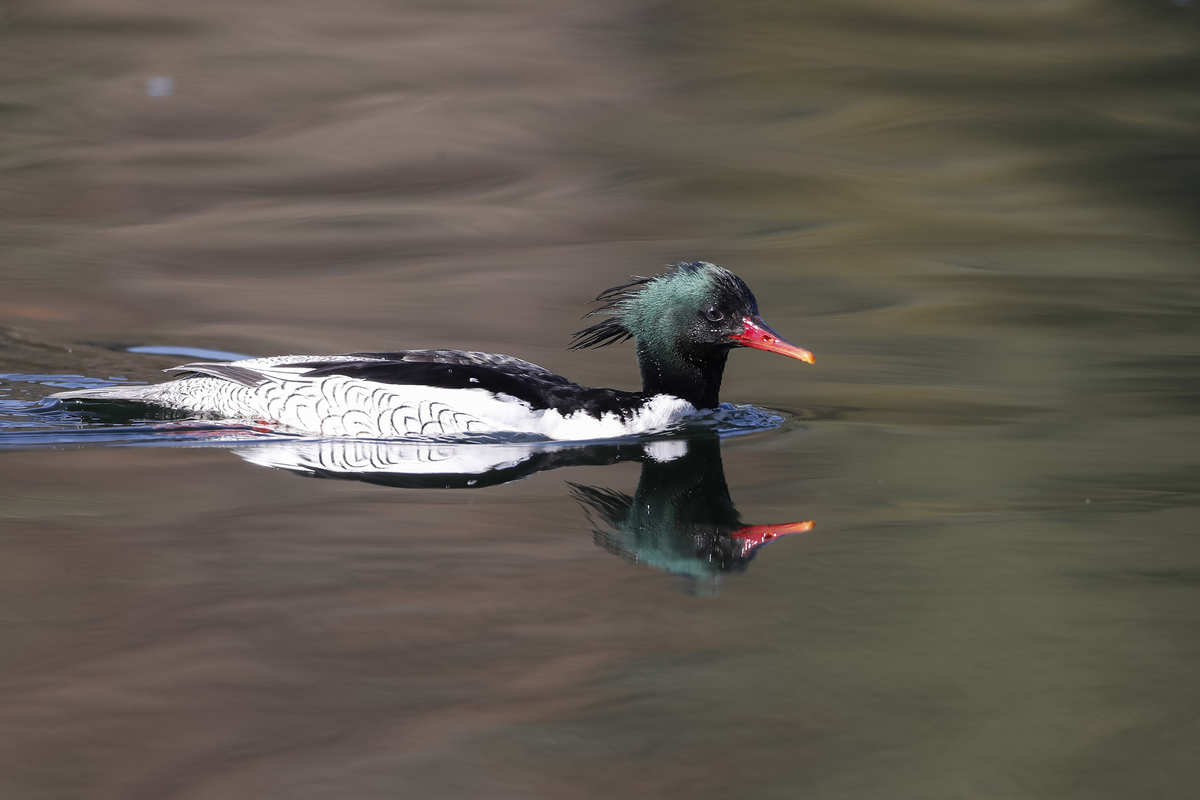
(695, 377)
(690, 491)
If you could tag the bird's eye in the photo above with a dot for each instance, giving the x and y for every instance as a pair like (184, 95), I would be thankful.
(714, 314)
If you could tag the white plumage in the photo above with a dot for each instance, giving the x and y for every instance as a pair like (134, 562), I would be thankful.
(278, 393)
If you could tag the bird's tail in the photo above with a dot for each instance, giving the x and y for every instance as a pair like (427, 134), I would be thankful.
(129, 394)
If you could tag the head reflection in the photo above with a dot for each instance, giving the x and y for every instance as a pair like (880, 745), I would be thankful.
(680, 519)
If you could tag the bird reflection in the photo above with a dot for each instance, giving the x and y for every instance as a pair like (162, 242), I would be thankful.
(680, 519)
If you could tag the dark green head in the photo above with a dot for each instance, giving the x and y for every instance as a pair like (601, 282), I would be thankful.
(685, 322)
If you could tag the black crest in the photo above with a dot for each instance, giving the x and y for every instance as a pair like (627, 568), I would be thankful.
(611, 329)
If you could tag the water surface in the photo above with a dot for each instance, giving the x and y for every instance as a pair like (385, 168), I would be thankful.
(981, 218)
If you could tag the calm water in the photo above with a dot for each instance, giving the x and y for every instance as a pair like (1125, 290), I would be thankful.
(982, 218)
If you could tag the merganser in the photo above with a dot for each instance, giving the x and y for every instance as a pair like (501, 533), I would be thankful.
(684, 323)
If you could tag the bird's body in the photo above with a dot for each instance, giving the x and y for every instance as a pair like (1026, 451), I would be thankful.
(421, 393)
(451, 393)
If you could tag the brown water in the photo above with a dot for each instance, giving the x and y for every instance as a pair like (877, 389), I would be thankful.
(982, 218)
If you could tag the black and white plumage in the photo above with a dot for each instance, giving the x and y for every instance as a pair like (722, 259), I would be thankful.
(685, 322)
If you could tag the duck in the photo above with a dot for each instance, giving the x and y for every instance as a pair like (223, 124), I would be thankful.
(684, 322)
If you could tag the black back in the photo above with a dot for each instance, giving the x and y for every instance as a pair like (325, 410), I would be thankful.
(458, 369)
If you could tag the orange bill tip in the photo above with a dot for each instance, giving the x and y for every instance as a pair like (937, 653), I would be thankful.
(753, 536)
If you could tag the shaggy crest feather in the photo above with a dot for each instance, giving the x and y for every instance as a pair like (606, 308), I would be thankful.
(612, 329)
